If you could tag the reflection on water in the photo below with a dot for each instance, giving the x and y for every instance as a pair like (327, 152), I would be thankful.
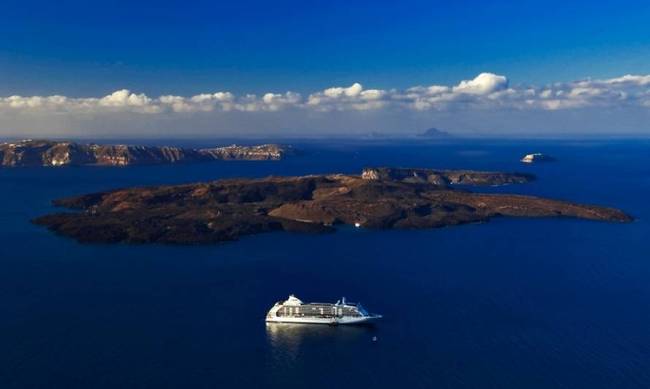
(288, 341)
(297, 353)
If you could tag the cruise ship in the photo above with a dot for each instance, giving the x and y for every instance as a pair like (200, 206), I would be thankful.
(293, 310)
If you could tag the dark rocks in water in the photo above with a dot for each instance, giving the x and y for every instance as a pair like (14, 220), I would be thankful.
(227, 209)
(53, 153)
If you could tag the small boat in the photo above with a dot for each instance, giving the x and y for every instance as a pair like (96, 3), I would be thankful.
(293, 310)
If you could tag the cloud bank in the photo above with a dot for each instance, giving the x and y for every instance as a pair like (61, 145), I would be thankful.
(485, 91)
(483, 95)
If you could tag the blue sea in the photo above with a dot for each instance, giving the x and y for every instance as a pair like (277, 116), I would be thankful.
(513, 303)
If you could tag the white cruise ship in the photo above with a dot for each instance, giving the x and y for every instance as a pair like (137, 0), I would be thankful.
(293, 310)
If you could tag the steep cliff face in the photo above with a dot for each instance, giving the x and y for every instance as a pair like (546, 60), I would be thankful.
(257, 153)
(66, 153)
(24, 153)
(51, 153)
(122, 155)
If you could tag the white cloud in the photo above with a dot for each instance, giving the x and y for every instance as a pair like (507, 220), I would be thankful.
(630, 79)
(276, 101)
(125, 99)
(352, 91)
(487, 91)
(483, 84)
(353, 97)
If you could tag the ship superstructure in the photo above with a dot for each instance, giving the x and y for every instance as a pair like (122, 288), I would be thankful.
(293, 310)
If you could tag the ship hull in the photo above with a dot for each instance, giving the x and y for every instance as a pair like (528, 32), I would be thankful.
(322, 320)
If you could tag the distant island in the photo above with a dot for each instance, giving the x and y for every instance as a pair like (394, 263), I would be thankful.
(428, 134)
(434, 133)
(227, 209)
(60, 153)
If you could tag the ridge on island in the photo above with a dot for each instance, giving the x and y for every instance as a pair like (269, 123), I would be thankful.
(61, 153)
(227, 209)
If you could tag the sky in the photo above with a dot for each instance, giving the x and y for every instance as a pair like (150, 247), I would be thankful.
(323, 68)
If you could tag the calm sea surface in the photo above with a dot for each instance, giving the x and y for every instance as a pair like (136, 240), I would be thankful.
(514, 303)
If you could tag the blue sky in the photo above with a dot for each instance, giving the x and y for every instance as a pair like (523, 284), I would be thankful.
(81, 49)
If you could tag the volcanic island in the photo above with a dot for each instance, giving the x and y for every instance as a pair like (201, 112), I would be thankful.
(378, 198)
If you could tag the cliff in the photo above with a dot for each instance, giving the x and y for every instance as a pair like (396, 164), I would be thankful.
(227, 209)
(52, 153)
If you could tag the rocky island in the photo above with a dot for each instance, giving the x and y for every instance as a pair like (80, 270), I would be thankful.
(434, 133)
(536, 157)
(227, 209)
(53, 153)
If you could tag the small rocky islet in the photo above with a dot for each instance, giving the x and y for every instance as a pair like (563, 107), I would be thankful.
(379, 198)
(536, 157)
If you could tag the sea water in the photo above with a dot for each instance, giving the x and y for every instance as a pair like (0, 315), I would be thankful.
(513, 303)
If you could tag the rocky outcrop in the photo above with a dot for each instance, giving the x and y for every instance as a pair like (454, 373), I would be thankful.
(227, 209)
(536, 157)
(445, 177)
(52, 153)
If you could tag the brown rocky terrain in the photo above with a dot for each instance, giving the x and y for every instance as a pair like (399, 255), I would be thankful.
(227, 209)
(52, 153)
